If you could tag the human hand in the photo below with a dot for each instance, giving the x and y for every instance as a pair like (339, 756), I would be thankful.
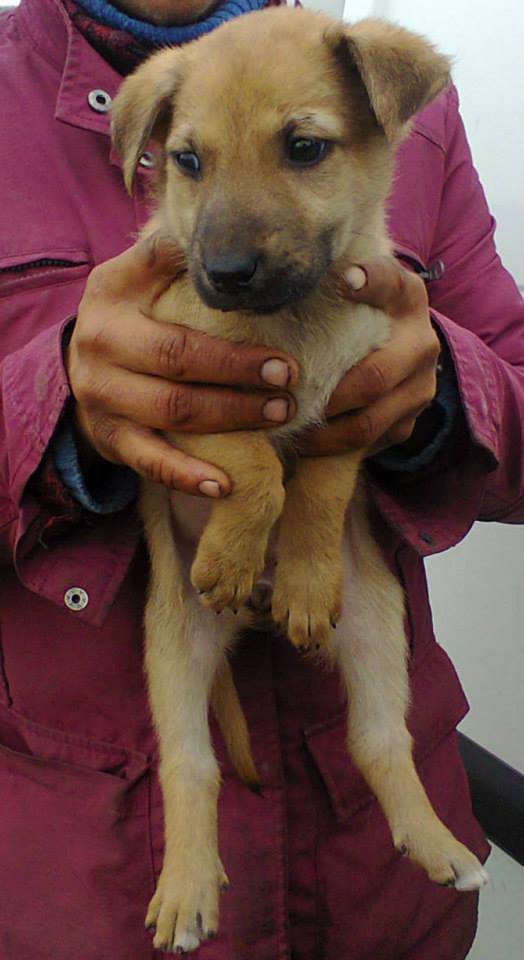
(132, 376)
(376, 404)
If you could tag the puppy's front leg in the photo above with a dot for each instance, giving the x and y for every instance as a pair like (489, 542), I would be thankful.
(232, 550)
(308, 582)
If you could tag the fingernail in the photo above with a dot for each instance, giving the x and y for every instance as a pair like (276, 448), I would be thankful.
(275, 372)
(356, 278)
(276, 410)
(210, 488)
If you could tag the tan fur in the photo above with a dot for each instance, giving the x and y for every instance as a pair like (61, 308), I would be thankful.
(357, 87)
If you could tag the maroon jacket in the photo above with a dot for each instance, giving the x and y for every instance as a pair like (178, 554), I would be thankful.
(314, 874)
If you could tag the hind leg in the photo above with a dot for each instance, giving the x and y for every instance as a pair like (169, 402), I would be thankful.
(184, 646)
(370, 646)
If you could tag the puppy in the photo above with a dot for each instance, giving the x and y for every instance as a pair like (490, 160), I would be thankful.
(272, 182)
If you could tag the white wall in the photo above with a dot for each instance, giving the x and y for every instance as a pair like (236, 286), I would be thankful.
(486, 39)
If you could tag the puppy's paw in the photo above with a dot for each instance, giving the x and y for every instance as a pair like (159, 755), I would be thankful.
(184, 909)
(306, 605)
(445, 860)
(224, 575)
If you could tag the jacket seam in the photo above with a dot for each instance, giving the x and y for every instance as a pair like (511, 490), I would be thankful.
(74, 739)
(428, 135)
(25, 23)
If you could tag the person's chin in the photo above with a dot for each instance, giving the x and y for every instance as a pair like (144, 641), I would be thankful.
(180, 12)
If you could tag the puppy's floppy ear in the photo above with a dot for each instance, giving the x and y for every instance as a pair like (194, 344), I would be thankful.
(142, 108)
(400, 70)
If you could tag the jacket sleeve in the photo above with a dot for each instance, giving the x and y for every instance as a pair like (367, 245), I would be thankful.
(479, 312)
(33, 393)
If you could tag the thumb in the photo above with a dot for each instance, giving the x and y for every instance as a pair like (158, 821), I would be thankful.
(385, 284)
(147, 268)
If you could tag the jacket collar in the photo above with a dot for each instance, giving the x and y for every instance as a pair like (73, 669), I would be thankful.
(83, 70)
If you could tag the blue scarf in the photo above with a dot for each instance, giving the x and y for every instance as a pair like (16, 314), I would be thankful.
(153, 35)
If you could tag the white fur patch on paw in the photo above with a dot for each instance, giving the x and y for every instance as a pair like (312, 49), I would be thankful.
(472, 880)
(185, 943)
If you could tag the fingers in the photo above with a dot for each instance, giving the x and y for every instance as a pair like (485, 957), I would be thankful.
(377, 402)
(135, 342)
(147, 268)
(414, 349)
(165, 405)
(153, 458)
(389, 420)
(385, 284)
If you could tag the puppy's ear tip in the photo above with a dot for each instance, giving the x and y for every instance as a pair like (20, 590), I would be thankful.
(129, 179)
(401, 70)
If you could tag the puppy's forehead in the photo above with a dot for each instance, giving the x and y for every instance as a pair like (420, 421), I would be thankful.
(230, 79)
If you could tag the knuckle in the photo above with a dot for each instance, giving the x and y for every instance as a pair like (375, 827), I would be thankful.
(176, 406)
(157, 470)
(92, 391)
(237, 409)
(410, 293)
(430, 348)
(373, 380)
(401, 432)
(151, 469)
(400, 282)
(105, 433)
(98, 281)
(91, 334)
(362, 431)
(172, 354)
(427, 389)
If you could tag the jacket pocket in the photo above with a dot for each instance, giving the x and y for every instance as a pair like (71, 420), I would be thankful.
(27, 271)
(74, 845)
(438, 705)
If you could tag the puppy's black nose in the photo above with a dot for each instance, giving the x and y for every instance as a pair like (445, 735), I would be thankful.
(232, 273)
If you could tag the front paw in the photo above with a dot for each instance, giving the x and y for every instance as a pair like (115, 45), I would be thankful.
(184, 909)
(307, 605)
(224, 576)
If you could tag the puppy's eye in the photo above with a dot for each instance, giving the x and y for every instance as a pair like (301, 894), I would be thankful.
(306, 151)
(187, 161)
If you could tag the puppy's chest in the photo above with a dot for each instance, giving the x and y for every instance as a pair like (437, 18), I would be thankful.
(326, 339)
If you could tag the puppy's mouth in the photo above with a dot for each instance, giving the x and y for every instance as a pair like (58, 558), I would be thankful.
(257, 291)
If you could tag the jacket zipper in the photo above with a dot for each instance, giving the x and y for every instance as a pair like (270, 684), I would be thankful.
(35, 264)
(435, 271)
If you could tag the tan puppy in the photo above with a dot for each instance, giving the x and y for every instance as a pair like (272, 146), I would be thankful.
(273, 182)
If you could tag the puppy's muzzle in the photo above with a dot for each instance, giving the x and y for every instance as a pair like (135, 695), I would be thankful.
(248, 280)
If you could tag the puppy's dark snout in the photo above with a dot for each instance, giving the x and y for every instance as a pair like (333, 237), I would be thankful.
(232, 273)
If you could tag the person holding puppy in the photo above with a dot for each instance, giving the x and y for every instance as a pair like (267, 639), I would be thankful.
(88, 381)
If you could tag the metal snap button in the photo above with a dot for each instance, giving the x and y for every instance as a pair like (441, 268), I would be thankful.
(99, 100)
(147, 159)
(76, 599)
